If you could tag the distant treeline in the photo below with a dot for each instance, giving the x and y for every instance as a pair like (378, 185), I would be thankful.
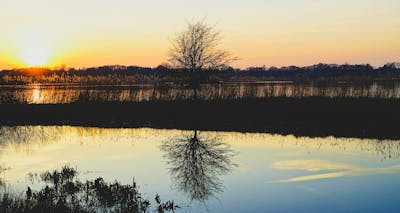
(117, 74)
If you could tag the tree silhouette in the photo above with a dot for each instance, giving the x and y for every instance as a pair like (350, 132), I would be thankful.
(196, 164)
(197, 48)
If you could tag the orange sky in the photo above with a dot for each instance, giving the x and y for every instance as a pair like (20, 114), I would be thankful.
(259, 32)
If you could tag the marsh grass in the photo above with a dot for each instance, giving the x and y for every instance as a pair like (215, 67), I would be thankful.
(63, 192)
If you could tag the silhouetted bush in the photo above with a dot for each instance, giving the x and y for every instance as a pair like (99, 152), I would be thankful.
(64, 193)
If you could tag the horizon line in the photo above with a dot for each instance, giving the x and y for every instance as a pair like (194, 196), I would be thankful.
(62, 66)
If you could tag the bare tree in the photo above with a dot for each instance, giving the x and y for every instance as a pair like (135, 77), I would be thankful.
(197, 48)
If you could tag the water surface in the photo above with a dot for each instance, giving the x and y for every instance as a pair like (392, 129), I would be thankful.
(216, 171)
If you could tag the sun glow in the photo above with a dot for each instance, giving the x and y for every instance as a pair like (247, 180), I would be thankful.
(35, 52)
(35, 57)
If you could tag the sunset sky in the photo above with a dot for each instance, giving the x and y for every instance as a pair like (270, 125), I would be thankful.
(80, 33)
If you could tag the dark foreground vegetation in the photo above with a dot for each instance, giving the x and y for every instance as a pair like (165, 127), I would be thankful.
(64, 193)
(342, 117)
(132, 74)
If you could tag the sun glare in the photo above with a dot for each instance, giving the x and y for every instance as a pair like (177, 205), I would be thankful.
(35, 51)
(35, 56)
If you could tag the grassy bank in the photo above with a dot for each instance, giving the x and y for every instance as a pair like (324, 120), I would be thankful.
(364, 118)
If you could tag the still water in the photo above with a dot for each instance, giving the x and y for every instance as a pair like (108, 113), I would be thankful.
(216, 171)
(55, 94)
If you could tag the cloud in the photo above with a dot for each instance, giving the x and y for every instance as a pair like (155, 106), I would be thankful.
(311, 165)
(331, 170)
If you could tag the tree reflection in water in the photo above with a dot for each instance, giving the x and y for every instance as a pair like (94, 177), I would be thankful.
(196, 164)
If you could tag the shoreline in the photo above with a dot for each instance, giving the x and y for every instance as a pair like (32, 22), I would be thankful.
(314, 117)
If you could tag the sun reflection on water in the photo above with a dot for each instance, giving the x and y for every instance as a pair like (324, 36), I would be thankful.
(36, 95)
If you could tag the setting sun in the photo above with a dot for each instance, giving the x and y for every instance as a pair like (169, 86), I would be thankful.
(35, 56)
(35, 51)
